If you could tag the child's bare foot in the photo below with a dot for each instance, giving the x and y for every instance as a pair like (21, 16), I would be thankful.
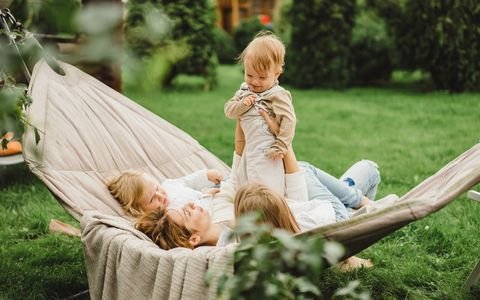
(365, 201)
(353, 263)
(64, 228)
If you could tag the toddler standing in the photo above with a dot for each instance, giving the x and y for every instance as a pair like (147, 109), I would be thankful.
(262, 152)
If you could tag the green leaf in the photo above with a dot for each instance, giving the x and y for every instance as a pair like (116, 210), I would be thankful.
(333, 252)
(286, 239)
(37, 136)
(4, 144)
(306, 286)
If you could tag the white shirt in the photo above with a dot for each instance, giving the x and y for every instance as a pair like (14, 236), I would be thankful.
(313, 213)
(225, 237)
(189, 189)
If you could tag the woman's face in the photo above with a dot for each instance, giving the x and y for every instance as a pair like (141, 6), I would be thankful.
(193, 217)
(154, 195)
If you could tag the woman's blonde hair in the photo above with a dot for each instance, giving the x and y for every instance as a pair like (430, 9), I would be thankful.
(163, 231)
(264, 52)
(127, 188)
(273, 209)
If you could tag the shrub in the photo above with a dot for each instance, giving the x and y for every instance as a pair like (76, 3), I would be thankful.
(246, 31)
(142, 35)
(440, 37)
(319, 51)
(371, 49)
(91, 31)
(275, 265)
(281, 21)
(192, 23)
(224, 47)
(47, 16)
(14, 98)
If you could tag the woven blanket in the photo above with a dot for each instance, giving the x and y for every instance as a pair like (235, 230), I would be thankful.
(123, 263)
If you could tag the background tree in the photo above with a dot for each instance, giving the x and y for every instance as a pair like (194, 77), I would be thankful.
(439, 37)
(224, 46)
(319, 54)
(371, 48)
(192, 24)
(246, 31)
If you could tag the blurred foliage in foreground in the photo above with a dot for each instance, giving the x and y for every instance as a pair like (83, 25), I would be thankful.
(272, 264)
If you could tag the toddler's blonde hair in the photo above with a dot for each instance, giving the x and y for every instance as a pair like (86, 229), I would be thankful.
(127, 188)
(264, 52)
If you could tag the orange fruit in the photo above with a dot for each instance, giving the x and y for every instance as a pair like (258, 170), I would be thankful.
(13, 147)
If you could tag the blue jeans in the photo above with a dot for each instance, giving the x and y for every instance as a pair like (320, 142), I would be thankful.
(361, 179)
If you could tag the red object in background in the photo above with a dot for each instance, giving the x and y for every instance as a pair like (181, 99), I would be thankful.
(265, 19)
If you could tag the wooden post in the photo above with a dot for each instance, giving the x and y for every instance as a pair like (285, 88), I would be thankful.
(108, 73)
(475, 274)
(219, 13)
(235, 14)
(5, 3)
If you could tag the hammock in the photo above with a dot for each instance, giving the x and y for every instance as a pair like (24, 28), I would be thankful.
(89, 132)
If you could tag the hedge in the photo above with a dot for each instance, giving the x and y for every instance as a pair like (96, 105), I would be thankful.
(440, 37)
(319, 51)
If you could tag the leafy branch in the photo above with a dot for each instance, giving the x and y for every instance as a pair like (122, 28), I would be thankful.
(273, 264)
(14, 98)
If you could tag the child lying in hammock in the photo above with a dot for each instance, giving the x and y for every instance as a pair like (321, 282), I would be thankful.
(139, 193)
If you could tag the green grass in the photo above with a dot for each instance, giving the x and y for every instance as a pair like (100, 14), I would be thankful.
(409, 133)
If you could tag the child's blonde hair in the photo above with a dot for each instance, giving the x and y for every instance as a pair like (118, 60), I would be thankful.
(264, 52)
(127, 188)
(272, 207)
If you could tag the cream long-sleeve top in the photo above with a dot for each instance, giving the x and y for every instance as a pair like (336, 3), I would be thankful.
(277, 101)
(260, 144)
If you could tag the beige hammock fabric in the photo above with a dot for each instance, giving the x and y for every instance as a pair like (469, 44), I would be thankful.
(122, 263)
(89, 132)
(386, 216)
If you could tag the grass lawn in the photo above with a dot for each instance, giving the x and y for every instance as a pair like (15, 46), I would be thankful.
(410, 134)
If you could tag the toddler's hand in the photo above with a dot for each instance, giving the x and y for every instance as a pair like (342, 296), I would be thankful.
(214, 176)
(274, 155)
(212, 191)
(249, 100)
(271, 122)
